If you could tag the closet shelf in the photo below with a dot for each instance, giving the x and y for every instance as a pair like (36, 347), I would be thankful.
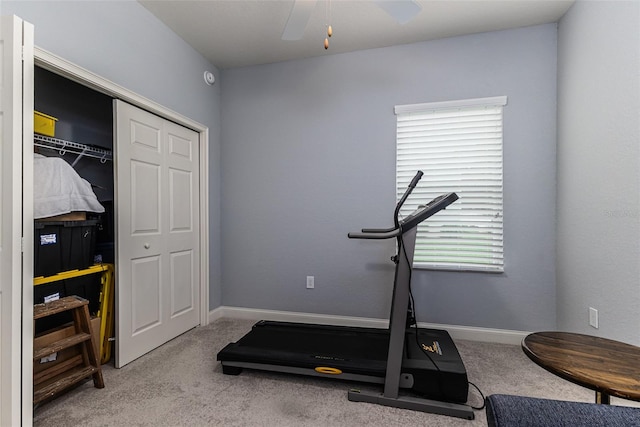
(63, 147)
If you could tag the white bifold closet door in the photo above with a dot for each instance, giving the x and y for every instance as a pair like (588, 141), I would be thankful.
(157, 222)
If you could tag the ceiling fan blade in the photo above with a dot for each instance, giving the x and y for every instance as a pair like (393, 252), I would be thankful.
(402, 11)
(298, 19)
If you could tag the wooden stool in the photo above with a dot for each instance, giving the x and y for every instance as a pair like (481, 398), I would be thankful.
(86, 364)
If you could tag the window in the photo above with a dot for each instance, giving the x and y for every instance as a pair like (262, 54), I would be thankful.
(458, 146)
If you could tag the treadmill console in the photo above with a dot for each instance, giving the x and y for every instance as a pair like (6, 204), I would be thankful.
(425, 211)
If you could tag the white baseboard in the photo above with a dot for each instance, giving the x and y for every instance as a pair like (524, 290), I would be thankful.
(502, 336)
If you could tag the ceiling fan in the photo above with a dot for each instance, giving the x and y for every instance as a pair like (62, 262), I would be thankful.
(402, 11)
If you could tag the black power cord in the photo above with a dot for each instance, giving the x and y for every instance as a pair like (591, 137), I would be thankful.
(478, 408)
(416, 328)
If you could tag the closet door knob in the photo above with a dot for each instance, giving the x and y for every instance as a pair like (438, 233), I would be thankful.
(147, 246)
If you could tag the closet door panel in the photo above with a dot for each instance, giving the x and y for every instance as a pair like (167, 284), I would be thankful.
(181, 201)
(145, 198)
(158, 267)
(146, 136)
(145, 295)
(182, 292)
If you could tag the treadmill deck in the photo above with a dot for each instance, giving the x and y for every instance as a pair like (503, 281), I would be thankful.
(437, 370)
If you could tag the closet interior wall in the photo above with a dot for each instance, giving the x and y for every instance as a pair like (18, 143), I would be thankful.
(84, 116)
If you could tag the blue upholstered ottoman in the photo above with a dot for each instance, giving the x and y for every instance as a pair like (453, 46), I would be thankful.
(518, 411)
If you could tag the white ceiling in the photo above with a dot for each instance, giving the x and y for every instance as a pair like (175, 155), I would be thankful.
(236, 33)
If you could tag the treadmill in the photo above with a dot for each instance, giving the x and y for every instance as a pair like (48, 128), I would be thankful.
(425, 362)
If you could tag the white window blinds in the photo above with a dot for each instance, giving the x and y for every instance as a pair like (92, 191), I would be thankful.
(458, 146)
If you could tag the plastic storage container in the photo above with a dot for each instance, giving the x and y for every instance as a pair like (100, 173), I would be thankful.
(44, 124)
(63, 245)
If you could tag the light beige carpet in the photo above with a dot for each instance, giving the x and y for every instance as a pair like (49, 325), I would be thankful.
(181, 384)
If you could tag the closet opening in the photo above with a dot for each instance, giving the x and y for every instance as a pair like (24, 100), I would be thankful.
(74, 231)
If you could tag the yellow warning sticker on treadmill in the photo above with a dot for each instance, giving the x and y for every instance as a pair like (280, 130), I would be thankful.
(434, 348)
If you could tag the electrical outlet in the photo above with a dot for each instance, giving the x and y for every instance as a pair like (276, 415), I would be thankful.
(593, 317)
(310, 282)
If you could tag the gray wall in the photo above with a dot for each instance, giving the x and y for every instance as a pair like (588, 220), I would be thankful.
(598, 169)
(123, 42)
(309, 155)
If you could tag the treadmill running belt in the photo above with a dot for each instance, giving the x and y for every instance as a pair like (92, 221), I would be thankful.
(331, 343)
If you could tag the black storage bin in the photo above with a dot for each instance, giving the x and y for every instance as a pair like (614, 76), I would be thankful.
(87, 287)
(106, 232)
(105, 236)
(63, 245)
(105, 253)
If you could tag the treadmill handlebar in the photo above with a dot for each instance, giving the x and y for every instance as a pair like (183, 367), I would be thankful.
(404, 197)
(377, 230)
(379, 234)
(415, 179)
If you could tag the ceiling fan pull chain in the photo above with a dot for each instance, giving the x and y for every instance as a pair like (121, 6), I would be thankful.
(328, 19)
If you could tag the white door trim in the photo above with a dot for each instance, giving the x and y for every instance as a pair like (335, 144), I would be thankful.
(27, 225)
(16, 274)
(80, 75)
